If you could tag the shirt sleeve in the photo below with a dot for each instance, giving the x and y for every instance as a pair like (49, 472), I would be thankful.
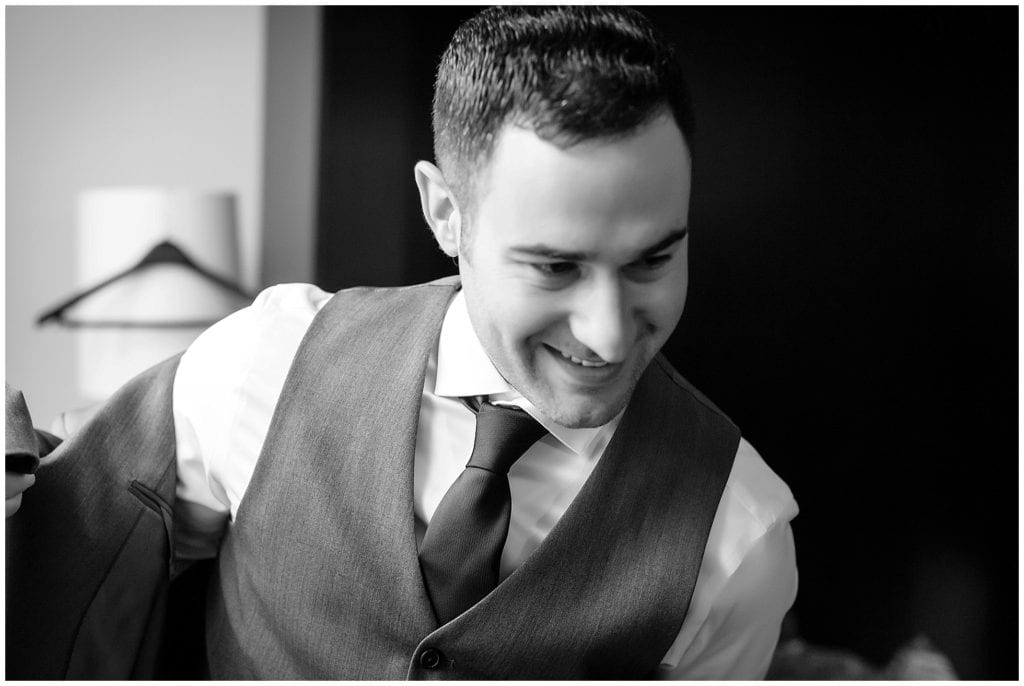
(738, 638)
(747, 581)
(225, 391)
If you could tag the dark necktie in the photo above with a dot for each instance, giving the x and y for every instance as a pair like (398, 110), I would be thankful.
(461, 549)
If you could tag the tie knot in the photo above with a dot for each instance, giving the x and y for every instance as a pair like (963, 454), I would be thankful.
(503, 434)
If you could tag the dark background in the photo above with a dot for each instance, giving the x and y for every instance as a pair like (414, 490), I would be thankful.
(853, 299)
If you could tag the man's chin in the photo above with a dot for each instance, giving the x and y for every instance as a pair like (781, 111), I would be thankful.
(575, 405)
(582, 414)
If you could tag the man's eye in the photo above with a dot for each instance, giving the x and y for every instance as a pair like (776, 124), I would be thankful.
(653, 262)
(554, 268)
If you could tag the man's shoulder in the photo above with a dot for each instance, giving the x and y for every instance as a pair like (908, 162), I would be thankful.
(294, 306)
(258, 341)
(291, 296)
(756, 493)
(305, 298)
(277, 313)
(384, 296)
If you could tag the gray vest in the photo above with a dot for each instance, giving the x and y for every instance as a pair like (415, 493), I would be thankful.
(318, 578)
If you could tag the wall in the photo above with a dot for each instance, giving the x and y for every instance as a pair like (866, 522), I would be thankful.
(291, 143)
(379, 66)
(853, 304)
(117, 96)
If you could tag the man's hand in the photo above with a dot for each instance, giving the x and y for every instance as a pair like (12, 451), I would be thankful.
(16, 485)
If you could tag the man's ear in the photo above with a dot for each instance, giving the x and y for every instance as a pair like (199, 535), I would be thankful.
(440, 208)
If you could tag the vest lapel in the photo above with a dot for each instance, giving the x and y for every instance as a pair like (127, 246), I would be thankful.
(358, 391)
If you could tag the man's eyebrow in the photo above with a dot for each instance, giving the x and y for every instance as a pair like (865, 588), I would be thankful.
(669, 240)
(541, 250)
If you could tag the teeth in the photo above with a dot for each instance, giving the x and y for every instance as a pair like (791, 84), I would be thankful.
(583, 363)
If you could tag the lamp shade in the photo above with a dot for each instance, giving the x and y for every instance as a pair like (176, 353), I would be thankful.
(138, 310)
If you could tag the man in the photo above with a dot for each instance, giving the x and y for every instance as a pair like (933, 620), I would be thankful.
(332, 432)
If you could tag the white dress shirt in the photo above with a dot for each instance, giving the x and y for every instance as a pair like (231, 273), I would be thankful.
(227, 387)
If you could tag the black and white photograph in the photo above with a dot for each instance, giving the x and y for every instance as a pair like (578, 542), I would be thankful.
(521, 343)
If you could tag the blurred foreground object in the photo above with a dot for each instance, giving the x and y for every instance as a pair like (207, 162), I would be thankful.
(156, 266)
(797, 660)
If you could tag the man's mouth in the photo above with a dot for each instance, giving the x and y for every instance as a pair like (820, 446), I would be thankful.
(588, 375)
(583, 363)
(578, 360)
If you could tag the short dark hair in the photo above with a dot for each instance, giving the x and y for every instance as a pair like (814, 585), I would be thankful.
(569, 74)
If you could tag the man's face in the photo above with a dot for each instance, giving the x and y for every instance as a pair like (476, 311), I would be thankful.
(575, 271)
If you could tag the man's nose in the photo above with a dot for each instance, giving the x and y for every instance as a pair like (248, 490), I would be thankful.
(604, 321)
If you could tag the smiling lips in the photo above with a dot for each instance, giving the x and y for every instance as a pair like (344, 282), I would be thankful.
(580, 362)
(583, 363)
(584, 375)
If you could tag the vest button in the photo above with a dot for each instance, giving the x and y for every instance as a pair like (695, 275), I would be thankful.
(431, 658)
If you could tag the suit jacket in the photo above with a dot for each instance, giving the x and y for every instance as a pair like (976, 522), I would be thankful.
(89, 552)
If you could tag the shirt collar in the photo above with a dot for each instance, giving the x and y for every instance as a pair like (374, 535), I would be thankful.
(464, 369)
